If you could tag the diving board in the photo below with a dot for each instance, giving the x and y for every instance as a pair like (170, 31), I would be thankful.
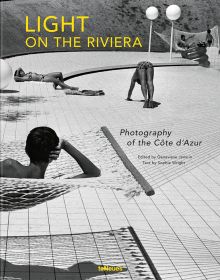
(182, 62)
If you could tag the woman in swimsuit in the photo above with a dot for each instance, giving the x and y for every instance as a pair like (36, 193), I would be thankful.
(143, 75)
(43, 146)
(56, 78)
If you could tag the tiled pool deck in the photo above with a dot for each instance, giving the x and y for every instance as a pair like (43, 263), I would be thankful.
(180, 225)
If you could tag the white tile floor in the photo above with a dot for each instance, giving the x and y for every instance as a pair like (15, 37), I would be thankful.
(179, 226)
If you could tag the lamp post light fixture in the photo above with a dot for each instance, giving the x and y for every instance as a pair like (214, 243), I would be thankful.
(151, 14)
(173, 12)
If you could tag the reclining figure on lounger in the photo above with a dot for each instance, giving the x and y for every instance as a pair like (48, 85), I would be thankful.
(56, 78)
(184, 43)
(43, 146)
(144, 75)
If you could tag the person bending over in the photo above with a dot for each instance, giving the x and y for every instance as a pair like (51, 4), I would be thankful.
(56, 78)
(43, 146)
(143, 75)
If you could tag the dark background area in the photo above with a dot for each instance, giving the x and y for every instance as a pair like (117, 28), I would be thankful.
(107, 18)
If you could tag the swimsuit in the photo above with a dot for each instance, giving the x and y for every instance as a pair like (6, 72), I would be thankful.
(42, 78)
(35, 77)
(144, 65)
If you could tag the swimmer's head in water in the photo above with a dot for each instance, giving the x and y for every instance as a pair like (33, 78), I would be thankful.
(40, 142)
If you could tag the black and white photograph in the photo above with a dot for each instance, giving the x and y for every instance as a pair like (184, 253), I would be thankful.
(110, 157)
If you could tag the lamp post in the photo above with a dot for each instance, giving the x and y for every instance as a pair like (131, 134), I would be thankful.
(151, 14)
(173, 12)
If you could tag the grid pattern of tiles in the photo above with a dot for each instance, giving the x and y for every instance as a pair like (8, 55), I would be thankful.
(76, 256)
(191, 258)
(161, 228)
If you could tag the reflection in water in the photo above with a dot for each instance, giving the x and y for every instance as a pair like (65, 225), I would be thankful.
(86, 270)
(14, 116)
(20, 113)
(14, 100)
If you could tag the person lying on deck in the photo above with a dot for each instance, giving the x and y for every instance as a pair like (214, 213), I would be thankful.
(144, 75)
(56, 78)
(42, 147)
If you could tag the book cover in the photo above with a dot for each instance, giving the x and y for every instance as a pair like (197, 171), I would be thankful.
(109, 139)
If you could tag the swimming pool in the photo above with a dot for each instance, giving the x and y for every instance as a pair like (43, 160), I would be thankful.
(178, 211)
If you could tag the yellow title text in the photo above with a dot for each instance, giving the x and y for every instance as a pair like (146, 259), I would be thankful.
(54, 24)
(86, 42)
